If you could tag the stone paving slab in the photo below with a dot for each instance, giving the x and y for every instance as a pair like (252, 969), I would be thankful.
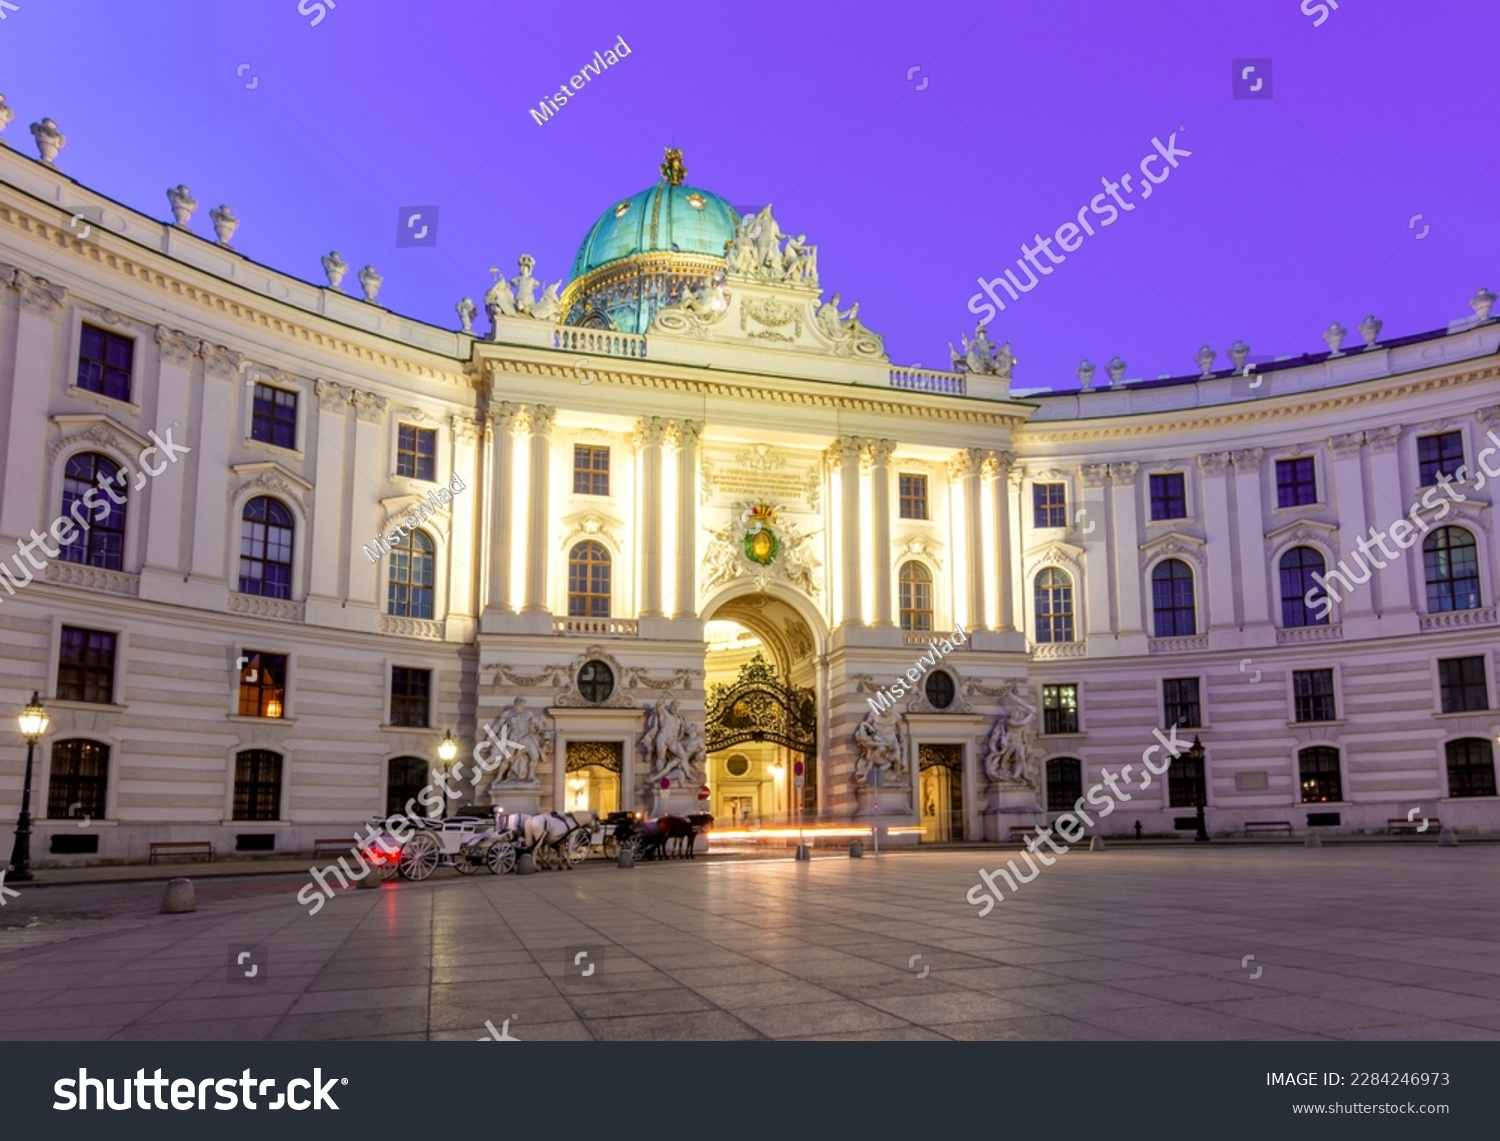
(1353, 942)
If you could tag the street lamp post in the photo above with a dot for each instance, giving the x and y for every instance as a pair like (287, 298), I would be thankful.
(34, 721)
(447, 750)
(1197, 753)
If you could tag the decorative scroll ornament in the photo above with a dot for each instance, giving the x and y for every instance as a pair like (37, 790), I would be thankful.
(695, 309)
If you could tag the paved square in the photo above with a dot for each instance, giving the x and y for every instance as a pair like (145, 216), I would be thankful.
(1351, 941)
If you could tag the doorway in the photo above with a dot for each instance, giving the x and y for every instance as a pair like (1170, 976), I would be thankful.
(940, 790)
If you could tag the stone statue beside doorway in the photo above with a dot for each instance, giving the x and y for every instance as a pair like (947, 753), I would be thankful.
(671, 746)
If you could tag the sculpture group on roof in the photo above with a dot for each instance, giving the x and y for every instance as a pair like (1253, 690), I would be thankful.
(757, 251)
(980, 356)
(518, 296)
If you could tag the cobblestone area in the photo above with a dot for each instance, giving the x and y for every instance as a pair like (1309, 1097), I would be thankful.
(1352, 942)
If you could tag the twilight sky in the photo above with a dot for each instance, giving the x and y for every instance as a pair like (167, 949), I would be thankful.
(1292, 212)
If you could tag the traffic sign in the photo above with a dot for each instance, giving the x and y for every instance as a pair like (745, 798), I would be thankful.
(704, 793)
(666, 783)
(797, 769)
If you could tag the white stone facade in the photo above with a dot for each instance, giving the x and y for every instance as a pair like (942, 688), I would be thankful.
(770, 401)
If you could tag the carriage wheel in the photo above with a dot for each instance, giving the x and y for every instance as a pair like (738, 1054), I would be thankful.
(419, 858)
(546, 857)
(611, 848)
(390, 866)
(502, 858)
(467, 861)
(574, 849)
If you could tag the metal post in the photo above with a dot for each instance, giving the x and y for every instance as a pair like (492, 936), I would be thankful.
(20, 853)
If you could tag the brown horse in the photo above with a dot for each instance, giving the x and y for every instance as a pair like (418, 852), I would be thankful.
(684, 830)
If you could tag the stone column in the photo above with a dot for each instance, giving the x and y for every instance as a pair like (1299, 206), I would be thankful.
(687, 518)
(1255, 591)
(1395, 582)
(223, 396)
(1348, 483)
(964, 469)
(1127, 527)
(463, 518)
(498, 491)
(328, 496)
(878, 455)
(33, 358)
(538, 519)
(844, 455)
(997, 468)
(650, 431)
(1099, 572)
(1219, 590)
(161, 565)
(365, 577)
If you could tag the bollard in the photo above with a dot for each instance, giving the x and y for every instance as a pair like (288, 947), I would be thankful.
(626, 858)
(525, 864)
(803, 853)
(1096, 844)
(179, 897)
(371, 878)
(1446, 838)
(1313, 840)
(856, 849)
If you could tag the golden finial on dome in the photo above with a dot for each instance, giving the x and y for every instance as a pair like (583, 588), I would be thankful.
(672, 169)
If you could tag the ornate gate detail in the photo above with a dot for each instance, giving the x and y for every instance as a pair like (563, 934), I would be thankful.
(758, 706)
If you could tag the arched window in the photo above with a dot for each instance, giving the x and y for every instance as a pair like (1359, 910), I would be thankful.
(916, 596)
(405, 778)
(266, 549)
(78, 781)
(588, 581)
(257, 785)
(1452, 563)
(1297, 569)
(101, 537)
(409, 593)
(1172, 599)
(1471, 767)
(1064, 783)
(1054, 606)
(1318, 770)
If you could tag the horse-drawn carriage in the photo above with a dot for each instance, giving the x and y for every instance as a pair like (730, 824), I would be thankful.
(470, 842)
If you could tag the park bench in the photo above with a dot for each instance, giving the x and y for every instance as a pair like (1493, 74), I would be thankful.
(1401, 824)
(1273, 827)
(181, 848)
(333, 844)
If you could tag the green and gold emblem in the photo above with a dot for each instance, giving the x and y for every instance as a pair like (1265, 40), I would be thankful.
(761, 544)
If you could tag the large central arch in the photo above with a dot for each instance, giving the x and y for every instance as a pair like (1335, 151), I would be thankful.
(766, 702)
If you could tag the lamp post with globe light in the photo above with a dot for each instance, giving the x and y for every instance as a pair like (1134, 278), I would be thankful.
(447, 750)
(1195, 754)
(34, 722)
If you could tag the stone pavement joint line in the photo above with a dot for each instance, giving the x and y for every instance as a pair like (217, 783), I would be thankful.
(1356, 942)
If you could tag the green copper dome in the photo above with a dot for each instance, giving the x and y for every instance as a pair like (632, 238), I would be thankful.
(645, 250)
(661, 219)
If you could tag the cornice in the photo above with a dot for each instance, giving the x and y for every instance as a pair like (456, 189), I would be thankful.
(844, 399)
(181, 286)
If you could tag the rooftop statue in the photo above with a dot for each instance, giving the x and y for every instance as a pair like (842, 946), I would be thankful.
(981, 357)
(518, 297)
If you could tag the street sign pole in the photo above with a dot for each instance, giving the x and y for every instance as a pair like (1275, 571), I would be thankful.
(876, 780)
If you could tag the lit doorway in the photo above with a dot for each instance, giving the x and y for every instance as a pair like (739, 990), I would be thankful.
(593, 779)
(940, 790)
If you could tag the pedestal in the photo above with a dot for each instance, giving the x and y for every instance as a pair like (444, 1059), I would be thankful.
(516, 796)
(675, 801)
(1010, 806)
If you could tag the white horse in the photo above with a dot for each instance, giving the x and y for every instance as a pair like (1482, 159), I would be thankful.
(553, 829)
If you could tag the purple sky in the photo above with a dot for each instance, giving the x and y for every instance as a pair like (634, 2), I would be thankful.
(1292, 212)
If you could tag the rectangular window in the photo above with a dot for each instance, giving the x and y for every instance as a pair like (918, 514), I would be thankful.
(1318, 769)
(1169, 496)
(1050, 504)
(262, 684)
(416, 452)
(1059, 709)
(1296, 482)
(1471, 767)
(1312, 691)
(1180, 703)
(1463, 684)
(913, 495)
(105, 363)
(274, 420)
(257, 785)
(86, 666)
(410, 689)
(590, 470)
(79, 780)
(1442, 454)
(1185, 783)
